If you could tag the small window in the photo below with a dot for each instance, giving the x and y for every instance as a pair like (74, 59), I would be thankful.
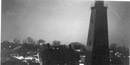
(89, 43)
(91, 21)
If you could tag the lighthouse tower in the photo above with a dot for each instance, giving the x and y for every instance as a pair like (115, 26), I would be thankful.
(98, 42)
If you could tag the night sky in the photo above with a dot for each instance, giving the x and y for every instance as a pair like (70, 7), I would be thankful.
(63, 20)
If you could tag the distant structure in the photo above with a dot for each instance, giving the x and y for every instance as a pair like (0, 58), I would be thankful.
(59, 55)
(98, 43)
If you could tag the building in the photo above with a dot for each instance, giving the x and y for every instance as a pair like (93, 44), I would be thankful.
(98, 43)
(59, 55)
(8, 59)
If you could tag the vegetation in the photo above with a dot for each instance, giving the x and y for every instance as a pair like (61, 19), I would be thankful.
(118, 54)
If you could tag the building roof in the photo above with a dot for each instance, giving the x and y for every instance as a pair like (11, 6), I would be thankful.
(59, 54)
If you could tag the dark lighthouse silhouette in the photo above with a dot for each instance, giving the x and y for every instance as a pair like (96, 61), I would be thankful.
(98, 43)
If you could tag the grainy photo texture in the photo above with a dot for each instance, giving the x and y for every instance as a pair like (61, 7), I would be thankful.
(65, 32)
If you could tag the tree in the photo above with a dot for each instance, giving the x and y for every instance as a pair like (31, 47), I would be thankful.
(16, 43)
(119, 54)
(29, 43)
(78, 45)
(125, 51)
(5, 45)
(56, 43)
(24, 41)
(113, 47)
(41, 42)
(83, 47)
(30, 40)
(16, 40)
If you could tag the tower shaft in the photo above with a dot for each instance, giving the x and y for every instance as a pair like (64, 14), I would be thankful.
(98, 35)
